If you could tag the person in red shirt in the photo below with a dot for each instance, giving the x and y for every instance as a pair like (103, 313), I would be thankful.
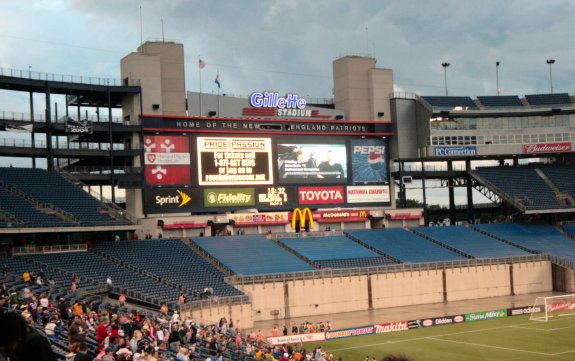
(102, 331)
(275, 331)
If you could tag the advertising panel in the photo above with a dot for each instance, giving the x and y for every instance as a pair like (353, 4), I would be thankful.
(260, 218)
(234, 161)
(275, 197)
(229, 197)
(525, 310)
(321, 195)
(306, 337)
(167, 159)
(441, 321)
(547, 148)
(349, 332)
(391, 327)
(368, 194)
(172, 200)
(311, 163)
(485, 315)
(458, 151)
(369, 161)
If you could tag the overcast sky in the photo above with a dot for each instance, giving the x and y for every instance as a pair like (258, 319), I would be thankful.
(289, 45)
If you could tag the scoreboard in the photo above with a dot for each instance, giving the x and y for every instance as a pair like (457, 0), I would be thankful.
(222, 171)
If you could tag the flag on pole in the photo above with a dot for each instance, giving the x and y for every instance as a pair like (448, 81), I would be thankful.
(201, 64)
(217, 81)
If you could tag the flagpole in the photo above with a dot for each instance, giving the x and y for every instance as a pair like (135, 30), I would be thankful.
(200, 70)
(218, 77)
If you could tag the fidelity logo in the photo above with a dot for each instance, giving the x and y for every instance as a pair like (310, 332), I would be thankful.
(181, 199)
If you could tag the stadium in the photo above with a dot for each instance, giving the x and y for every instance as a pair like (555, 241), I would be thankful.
(276, 209)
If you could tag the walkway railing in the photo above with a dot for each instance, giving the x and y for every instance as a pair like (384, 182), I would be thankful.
(65, 78)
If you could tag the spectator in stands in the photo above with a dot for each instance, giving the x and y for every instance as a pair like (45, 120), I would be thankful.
(102, 330)
(109, 282)
(18, 341)
(26, 277)
(77, 331)
(82, 354)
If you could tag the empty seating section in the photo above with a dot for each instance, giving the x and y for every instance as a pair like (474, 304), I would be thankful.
(26, 213)
(563, 176)
(449, 103)
(251, 255)
(327, 248)
(522, 183)
(404, 245)
(172, 260)
(355, 262)
(92, 267)
(471, 242)
(40, 184)
(570, 228)
(537, 237)
(548, 99)
(502, 101)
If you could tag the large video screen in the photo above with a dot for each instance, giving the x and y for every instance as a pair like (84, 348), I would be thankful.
(311, 163)
(234, 161)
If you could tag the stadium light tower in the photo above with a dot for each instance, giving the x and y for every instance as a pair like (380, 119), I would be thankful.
(445, 65)
(497, 75)
(551, 62)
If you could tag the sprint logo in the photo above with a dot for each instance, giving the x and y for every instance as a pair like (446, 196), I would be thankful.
(181, 199)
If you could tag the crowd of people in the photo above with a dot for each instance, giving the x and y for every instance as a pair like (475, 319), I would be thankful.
(79, 329)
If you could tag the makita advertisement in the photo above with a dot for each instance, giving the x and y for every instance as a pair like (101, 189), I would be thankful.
(391, 327)
(172, 200)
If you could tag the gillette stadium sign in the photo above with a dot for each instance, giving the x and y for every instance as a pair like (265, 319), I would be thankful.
(461, 151)
(290, 105)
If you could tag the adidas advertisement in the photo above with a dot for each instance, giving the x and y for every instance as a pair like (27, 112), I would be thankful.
(172, 200)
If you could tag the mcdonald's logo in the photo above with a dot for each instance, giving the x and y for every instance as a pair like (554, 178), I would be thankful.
(302, 217)
(362, 214)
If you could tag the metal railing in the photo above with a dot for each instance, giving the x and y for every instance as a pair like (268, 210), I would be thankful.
(64, 78)
(27, 250)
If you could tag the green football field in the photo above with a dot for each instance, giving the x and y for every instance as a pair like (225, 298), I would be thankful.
(511, 338)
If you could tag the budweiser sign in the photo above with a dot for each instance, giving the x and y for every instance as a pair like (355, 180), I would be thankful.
(546, 148)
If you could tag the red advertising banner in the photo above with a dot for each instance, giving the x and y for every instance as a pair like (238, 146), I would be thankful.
(547, 148)
(167, 159)
(168, 174)
(321, 195)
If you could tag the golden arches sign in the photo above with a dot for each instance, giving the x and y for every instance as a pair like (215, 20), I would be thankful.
(302, 217)
(362, 214)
